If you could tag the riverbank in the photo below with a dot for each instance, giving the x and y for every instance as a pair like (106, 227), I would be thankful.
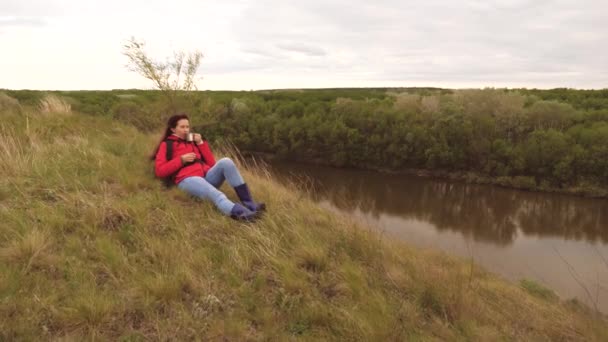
(93, 247)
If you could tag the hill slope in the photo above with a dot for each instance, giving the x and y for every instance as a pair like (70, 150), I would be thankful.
(91, 246)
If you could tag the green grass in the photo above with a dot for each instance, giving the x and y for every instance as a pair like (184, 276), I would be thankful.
(92, 247)
(538, 290)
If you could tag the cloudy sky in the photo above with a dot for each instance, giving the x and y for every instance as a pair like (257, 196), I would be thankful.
(69, 44)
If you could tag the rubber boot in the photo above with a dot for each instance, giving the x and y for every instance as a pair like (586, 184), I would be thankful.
(242, 191)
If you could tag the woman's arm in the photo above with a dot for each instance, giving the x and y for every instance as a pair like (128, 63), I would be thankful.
(163, 167)
(207, 154)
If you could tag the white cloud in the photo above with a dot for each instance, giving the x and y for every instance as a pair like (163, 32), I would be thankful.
(264, 44)
(20, 21)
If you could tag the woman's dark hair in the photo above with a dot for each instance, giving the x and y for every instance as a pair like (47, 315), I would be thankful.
(171, 123)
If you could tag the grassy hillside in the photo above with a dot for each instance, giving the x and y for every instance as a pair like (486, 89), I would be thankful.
(92, 247)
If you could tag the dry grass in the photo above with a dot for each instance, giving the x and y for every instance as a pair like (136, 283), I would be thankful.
(53, 104)
(27, 251)
(13, 153)
(8, 103)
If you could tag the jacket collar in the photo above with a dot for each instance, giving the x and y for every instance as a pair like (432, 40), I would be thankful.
(176, 138)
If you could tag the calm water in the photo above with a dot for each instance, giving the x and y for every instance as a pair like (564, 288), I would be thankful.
(552, 239)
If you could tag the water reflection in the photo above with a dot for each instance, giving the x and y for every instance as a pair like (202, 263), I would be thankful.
(484, 213)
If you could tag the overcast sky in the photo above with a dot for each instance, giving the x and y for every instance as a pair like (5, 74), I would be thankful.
(69, 44)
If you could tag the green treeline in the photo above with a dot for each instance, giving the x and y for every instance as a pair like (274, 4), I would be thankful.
(526, 138)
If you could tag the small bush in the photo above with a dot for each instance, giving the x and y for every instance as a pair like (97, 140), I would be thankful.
(538, 290)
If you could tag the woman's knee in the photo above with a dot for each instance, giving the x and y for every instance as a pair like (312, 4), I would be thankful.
(225, 162)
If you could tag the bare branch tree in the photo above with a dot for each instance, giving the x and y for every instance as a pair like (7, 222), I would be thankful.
(172, 78)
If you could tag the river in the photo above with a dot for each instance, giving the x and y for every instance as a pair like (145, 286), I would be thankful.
(559, 241)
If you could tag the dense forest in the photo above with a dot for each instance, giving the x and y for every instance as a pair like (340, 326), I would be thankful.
(526, 138)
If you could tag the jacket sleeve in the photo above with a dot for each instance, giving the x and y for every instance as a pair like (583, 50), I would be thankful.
(164, 168)
(207, 154)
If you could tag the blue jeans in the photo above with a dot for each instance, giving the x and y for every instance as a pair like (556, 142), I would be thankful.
(207, 187)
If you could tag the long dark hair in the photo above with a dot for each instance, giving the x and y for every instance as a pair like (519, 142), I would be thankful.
(171, 123)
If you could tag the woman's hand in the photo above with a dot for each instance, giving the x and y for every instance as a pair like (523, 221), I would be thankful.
(188, 158)
(198, 139)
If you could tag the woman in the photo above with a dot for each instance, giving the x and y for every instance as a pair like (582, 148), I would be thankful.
(193, 168)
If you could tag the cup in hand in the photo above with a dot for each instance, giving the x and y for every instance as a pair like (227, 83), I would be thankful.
(190, 137)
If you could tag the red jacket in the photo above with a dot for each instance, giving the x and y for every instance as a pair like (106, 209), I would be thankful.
(165, 168)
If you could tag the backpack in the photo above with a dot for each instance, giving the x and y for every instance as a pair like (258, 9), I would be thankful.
(169, 181)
